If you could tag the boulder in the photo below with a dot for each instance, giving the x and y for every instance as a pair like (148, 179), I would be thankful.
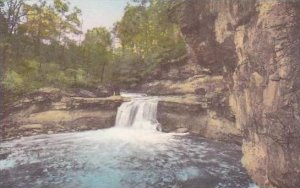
(107, 90)
(86, 93)
(47, 93)
(181, 130)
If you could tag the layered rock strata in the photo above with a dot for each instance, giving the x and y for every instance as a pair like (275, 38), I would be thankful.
(51, 111)
(255, 45)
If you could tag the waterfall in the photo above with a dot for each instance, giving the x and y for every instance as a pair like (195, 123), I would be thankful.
(139, 113)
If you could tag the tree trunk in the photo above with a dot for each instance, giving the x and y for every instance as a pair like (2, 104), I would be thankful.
(102, 72)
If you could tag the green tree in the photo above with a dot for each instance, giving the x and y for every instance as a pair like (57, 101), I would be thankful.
(3, 35)
(98, 51)
(146, 28)
(69, 21)
(10, 19)
(148, 32)
(37, 46)
(40, 23)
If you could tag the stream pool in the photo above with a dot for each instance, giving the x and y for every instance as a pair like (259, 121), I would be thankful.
(120, 157)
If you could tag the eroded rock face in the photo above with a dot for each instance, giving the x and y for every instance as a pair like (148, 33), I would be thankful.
(199, 104)
(256, 46)
(50, 110)
(197, 115)
(267, 83)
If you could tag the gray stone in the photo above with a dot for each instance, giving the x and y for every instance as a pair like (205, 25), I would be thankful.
(181, 130)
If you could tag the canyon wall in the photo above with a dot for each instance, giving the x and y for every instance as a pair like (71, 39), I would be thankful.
(255, 46)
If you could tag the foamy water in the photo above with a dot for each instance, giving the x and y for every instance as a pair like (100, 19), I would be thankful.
(131, 155)
(119, 157)
(138, 113)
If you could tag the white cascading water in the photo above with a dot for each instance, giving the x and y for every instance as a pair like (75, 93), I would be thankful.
(132, 154)
(139, 113)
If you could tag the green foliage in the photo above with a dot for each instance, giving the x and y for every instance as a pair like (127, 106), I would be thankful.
(23, 77)
(40, 23)
(98, 36)
(13, 81)
(98, 52)
(147, 29)
(36, 49)
(76, 76)
(61, 6)
(147, 34)
(29, 67)
(129, 68)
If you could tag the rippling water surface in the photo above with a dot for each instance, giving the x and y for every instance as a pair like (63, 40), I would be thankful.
(120, 157)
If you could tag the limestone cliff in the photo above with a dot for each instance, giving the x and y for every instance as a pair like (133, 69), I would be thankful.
(255, 45)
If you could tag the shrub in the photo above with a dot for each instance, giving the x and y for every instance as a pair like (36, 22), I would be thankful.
(13, 81)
